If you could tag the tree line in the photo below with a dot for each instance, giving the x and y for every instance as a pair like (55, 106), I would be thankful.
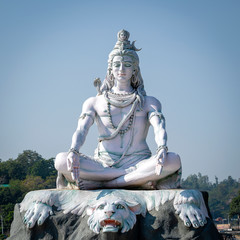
(222, 194)
(30, 171)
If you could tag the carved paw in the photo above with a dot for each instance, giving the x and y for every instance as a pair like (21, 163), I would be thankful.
(38, 212)
(191, 215)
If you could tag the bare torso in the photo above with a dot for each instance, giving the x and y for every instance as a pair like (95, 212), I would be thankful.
(140, 127)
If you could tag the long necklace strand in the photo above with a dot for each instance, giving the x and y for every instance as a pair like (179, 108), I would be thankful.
(120, 100)
(122, 131)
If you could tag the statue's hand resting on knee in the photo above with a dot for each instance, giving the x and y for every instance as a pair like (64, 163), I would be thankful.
(161, 157)
(38, 212)
(73, 165)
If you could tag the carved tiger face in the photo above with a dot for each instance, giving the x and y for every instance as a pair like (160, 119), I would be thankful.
(112, 216)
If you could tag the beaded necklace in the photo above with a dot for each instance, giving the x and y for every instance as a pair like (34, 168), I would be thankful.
(122, 94)
(120, 101)
(121, 132)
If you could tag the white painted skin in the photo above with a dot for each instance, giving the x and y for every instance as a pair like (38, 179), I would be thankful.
(136, 174)
(37, 213)
(122, 69)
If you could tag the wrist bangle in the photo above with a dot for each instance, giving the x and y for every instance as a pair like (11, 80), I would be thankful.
(162, 147)
(73, 150)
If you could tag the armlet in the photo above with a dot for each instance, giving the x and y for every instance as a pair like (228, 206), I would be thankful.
(83, 115)
(155, 113)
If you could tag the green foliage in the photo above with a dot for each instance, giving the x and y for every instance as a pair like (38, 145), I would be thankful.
(28, 172)
(27, 163)
(5, 196)
(6, 211)
(235, 206)
(220, 194)
(197, 182)
(4, 171)
(42, 168)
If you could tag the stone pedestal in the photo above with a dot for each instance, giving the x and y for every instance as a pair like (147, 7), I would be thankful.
(156, 218)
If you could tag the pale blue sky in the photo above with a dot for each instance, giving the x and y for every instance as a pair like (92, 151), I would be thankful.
(50, 52)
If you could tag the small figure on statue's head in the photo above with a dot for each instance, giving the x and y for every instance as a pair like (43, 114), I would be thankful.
(123, 114)
(123, 35)
(123, 43)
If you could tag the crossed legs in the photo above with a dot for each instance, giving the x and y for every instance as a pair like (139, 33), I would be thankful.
(93, 175)
(145, 172)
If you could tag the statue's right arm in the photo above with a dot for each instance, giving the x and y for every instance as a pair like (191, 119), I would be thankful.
(85, 121)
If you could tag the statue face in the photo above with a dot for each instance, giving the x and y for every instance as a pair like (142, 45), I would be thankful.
(123, 36)
(122, 68)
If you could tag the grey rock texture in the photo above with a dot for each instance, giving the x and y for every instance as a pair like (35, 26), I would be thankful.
(162, 224)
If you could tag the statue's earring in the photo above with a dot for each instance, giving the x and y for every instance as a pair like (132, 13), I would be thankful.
(111, 77)
(134, 79)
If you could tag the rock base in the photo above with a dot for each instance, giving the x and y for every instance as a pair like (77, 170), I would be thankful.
(161, 224)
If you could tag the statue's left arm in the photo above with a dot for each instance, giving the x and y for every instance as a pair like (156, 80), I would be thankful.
(157, 120)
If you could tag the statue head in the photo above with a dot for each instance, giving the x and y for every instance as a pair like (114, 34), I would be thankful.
(124, 48)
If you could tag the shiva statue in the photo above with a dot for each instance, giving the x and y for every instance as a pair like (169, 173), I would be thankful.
(123, 114)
